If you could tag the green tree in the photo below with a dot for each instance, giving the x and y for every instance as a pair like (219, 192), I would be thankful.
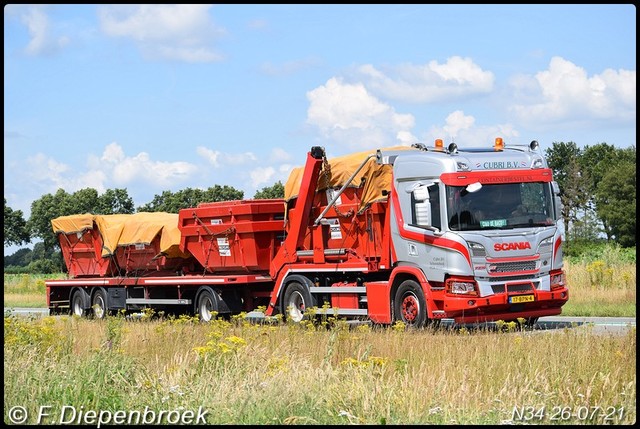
(86, 200)
(115, 201)
(20, 258)
(159, 203)
(45, 209)
(598, 162)
(564, 161)
(595, 161)
(173, 202)
(616, 203)
(271, 192)
(222, 193)
(83, 201)
(558, 157)
(15, 227)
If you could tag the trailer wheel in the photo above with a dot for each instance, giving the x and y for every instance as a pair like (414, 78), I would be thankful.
(207, 306)
(77, 305)
(410, 306)
(297, 299)
(99, 304)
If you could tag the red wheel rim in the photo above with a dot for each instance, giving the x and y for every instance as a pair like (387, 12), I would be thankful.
(410, 308)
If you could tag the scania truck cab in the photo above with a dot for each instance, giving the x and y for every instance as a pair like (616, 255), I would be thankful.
(485, 228)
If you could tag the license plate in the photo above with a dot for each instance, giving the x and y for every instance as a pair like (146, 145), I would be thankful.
(521, 298)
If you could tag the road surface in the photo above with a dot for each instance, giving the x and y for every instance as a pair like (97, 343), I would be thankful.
(617, 325)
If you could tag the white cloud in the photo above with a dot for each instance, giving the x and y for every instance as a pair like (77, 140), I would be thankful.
(432, 82)
(462, 129)
(219, 159)
(112, 169)
(182, 32)
(43, 40)
(159, 173)
(564, 92)
(113, 153)
(406, 138)
(42, 167)
(51, 175)
(350, 116)
(210, 155)
(238, 158)
(285, 169)
(261, 176)
(279, 155)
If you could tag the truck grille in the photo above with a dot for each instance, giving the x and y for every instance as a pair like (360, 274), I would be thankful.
(518, 287)
(511, 267)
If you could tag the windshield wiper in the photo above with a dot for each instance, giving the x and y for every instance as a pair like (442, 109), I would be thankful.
(527, 225)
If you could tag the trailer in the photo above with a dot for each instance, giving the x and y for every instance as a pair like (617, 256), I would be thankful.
(411, 234)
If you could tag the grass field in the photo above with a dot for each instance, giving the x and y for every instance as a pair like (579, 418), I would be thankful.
(67, 370)
(233, 372)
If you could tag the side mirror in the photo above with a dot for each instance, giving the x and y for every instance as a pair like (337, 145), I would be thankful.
(557, 201)
(421, 205)
(421, 193)
(474, 187)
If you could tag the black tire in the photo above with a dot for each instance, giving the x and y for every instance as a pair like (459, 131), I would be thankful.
(77, 305)
(99, 304)
(206, 306)
(297, 299)
(410, 307)
(530, 323)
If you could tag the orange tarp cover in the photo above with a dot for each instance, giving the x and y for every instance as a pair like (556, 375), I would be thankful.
(376, 177)
(127, 229)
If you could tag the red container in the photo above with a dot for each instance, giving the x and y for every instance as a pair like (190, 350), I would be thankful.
(82, 252)
(139, 258)
(233, 236)
(345, 228)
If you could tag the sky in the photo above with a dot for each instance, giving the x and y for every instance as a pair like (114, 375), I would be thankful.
(164, 97)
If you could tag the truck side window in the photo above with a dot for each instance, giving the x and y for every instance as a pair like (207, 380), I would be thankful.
(434, 197)
(422, 204)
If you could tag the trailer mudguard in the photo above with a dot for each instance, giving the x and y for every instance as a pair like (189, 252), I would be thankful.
(221, 306)
(305, 281)
(84, 297)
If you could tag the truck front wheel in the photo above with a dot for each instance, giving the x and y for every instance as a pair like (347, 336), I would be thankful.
(297, 299)
(410, 306)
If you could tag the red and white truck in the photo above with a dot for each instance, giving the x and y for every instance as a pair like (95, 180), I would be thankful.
(411, 234)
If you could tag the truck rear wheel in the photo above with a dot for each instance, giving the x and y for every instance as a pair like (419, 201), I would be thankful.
(297, 299)
(99, 304)
(207, 306)
(410, 306)
(77, 305)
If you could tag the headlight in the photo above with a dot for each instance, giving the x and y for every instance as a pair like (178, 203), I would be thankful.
(545, 245)
(557, 279)
(477, 249)
(462, 287)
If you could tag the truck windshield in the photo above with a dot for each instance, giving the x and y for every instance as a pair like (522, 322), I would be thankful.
(500, 206)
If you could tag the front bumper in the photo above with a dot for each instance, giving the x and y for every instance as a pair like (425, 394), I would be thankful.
(472, 309)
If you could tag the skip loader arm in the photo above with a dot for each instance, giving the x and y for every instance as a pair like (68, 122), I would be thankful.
(298, 220)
